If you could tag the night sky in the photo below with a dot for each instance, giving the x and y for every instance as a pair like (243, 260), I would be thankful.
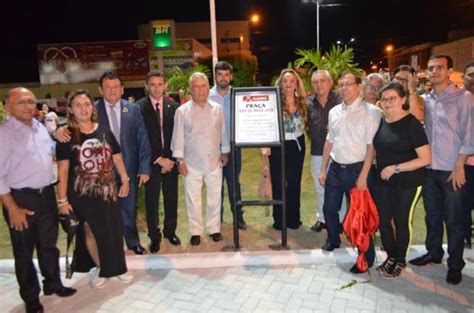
(286, 25)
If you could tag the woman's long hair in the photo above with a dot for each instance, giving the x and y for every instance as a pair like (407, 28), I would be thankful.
(300, 94)
(72, 124)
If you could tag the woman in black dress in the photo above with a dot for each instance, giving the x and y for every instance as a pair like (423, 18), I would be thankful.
(402, 152)
(88, 186)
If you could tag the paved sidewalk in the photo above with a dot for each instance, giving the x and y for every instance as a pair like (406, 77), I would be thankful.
(267, 281)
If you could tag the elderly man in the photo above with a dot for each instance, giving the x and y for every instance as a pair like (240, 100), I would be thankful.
(372, 84)
(352, 126)
(29, 200)
(200, 145)
(319, 106)
(449, 130)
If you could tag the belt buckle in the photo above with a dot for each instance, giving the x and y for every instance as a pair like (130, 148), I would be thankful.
(343, 165)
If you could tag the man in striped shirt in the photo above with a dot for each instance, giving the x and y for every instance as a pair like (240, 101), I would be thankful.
(352, 126)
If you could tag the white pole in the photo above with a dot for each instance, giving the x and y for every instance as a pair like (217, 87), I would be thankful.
(213, 33)
(317, 24)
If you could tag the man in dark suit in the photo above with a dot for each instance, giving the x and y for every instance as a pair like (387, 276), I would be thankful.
(158, 113)
(125, 121)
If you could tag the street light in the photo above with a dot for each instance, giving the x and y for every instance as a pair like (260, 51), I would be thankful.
(318, 5)
(389, 49)
(255, 19)
(346, 43)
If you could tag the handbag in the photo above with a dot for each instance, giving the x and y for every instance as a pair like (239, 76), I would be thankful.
(69, 223)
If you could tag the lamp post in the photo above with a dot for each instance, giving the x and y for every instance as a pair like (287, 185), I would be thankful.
(346, 43)
(389, 49)
(212, 8)
(318, 4)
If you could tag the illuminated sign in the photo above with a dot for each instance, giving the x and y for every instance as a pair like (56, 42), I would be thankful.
(162, 34)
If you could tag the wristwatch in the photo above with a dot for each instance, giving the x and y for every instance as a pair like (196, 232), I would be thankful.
(396, 169)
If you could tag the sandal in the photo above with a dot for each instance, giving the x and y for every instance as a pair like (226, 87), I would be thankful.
(386, 266)
(396, 270)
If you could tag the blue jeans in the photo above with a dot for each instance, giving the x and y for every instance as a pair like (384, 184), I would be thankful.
(339, 181)
(227, 176)
(443, 203)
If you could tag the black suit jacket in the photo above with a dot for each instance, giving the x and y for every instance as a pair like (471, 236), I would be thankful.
(151, 124)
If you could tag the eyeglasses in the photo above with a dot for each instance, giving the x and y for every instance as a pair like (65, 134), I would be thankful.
(373, 88)
(401, 80)
(389, 99)
(346, 85)
(24, 102)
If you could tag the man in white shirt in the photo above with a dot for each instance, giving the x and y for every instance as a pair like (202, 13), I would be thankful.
(200, 144)
(352, 126)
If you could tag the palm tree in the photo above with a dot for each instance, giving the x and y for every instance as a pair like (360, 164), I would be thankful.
(179, 78)
(336, 61)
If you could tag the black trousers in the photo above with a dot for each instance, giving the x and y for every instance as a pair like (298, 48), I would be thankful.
(294, 159)
(396, 206)
(42, 234)
(169, 183)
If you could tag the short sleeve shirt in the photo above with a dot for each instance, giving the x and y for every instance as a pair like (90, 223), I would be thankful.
(396, 143)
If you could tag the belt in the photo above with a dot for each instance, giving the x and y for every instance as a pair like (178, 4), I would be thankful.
(347, 165)
(37, 191)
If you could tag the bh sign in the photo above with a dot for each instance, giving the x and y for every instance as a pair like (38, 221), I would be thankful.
(162, 34)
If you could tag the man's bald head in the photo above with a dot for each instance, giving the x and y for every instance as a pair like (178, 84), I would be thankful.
(20, 103)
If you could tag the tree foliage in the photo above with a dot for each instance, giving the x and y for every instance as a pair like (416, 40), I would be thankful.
(3, 113)
(335, 61)
(178, 78)
(244, 68)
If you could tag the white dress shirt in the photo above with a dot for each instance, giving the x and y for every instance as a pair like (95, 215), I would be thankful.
(200, 135)
(351, 129)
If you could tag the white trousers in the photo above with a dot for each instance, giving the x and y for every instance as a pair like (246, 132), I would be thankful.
(193, 189)
(316, 163)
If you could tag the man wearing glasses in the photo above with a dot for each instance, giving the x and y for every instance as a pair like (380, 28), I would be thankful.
(372, 84)
(352, 126)
(405, 75)
(29, 199)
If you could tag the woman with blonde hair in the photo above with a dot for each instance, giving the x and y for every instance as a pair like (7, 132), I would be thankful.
(293, 98)
(88, 186)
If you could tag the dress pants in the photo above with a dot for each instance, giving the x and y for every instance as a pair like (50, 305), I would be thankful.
(294, 159)
(396, 206)
(227, 176)
(42, 234)
(443, 203)
(128, 205)
(193, 183)
(316, 163)
(169, 183)
(339, 181)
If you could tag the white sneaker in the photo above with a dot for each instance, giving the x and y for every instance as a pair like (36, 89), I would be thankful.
(125, 278)
(97, 282)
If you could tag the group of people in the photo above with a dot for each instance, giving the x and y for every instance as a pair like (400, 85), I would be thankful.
(400, 146)
(109, 149)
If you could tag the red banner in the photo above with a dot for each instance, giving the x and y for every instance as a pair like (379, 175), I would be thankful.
(86, 62)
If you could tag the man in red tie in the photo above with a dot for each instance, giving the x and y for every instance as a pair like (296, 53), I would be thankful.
(158, 113)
